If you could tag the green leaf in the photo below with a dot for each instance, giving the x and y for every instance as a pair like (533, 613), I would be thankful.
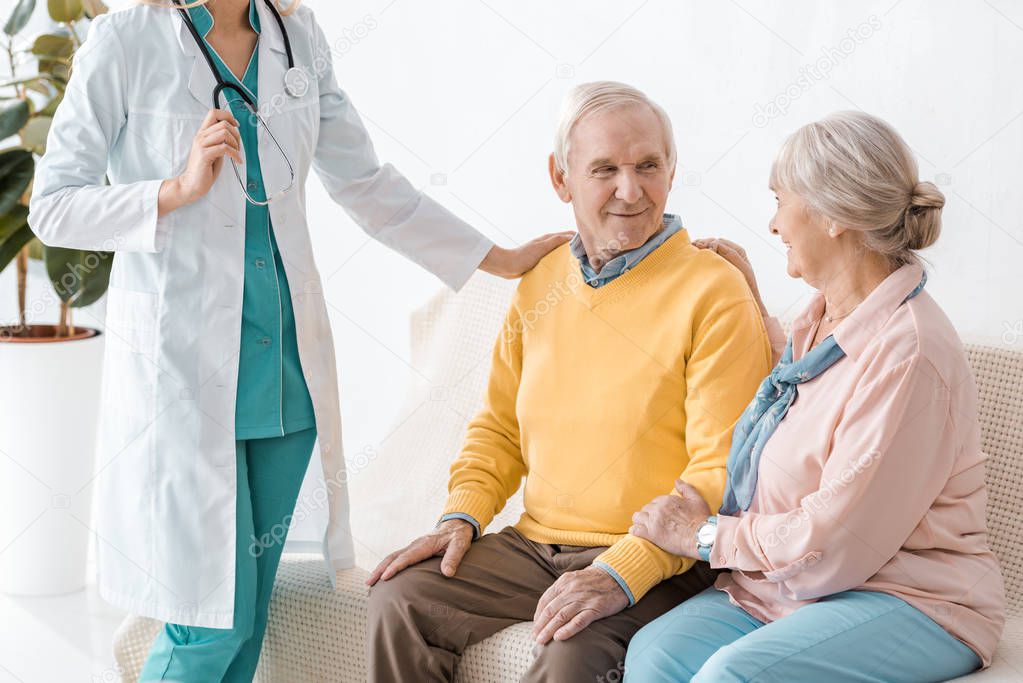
(20, 16)
(16, 168)
(51, 107)
(13, 115)
(39, 86)
(56, 70)
(79, 277)
(63, 11)
(33, 135)
(12, 243)
(94, 8)
(53, 46)
(35, 249)
(12, 221)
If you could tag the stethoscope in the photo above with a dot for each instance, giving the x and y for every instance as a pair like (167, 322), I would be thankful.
(295, 85)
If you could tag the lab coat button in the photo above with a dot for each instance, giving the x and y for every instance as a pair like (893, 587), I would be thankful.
(266, 341)
(260, 263)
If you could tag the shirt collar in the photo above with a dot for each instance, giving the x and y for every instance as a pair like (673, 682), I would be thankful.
(626, 260)
(863, 325)
(203, 20)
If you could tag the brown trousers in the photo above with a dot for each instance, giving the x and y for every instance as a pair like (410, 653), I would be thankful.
(420, 622)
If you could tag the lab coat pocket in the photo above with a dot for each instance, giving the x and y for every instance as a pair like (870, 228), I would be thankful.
(130, 356)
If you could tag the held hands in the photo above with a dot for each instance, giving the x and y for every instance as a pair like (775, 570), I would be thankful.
(575, 601)
(218, 137)
(671, 522)
(736, 255)
(451, 539)
(512, 263)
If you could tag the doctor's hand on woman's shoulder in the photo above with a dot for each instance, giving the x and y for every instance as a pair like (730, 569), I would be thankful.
(512, 263)
(218, 137)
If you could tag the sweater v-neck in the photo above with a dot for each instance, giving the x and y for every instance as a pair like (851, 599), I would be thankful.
(673, 247)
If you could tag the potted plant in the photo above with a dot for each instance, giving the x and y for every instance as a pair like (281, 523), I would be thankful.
(50, 371)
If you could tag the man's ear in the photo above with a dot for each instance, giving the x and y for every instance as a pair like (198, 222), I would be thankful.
(671, 178)
(558, 180)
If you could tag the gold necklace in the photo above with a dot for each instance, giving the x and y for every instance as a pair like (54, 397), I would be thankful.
(833, 318)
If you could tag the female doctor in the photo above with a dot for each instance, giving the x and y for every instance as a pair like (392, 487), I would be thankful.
(219, 370)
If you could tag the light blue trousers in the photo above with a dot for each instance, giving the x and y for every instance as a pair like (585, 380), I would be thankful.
(270, 473)
(855, 636)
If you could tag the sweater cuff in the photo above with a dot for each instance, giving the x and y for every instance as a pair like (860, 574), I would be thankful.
(468, 518)
(636, 562)
(618, 579)
(475, 504)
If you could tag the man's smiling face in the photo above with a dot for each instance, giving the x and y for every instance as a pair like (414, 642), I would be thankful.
(618, 179)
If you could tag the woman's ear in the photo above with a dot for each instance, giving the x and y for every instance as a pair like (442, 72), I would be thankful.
(833, 229)
(558, 180)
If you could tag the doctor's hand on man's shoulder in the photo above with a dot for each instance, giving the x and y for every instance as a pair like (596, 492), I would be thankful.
(512, 263)
(217, 138)
(451, 539)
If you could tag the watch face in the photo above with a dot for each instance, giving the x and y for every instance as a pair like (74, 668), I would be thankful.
(707, 534)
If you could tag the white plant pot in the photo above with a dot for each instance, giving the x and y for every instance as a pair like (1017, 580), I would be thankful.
(49, 407)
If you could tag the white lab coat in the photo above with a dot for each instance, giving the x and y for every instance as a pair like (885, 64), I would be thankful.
(166, 448)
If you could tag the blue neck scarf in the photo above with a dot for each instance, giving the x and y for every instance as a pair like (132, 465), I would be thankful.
(767, 409)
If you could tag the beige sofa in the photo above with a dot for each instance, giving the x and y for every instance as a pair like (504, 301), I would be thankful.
(398, 491)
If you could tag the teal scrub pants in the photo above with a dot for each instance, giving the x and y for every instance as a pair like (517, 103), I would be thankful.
(270, 473)
(855, 636)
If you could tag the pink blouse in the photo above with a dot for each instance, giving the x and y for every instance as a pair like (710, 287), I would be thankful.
(874, 480)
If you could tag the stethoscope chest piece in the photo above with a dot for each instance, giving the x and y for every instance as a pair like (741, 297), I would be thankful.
(296, 83)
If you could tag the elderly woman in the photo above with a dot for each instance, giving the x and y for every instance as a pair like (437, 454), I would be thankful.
(853, 518)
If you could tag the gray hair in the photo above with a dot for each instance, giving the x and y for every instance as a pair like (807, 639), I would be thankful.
(854, 170)
(590, 98)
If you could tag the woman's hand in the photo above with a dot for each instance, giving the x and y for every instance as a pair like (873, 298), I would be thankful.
(736, 255)
(218, 137)
(512, 263)
(671, 522)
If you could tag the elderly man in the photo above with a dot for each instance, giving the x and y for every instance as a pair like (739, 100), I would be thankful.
(624, 361)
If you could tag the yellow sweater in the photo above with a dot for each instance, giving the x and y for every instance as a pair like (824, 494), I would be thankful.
(601, 398)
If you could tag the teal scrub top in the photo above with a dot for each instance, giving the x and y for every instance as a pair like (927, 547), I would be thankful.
(273, 399)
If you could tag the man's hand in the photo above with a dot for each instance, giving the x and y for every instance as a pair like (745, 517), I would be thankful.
(512, 263)
(671, 522)
(575, 601)
(451, 539)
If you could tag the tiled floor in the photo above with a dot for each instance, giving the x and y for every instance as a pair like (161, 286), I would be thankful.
(61, 639)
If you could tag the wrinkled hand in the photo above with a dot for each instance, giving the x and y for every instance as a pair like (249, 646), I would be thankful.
(451, 539)
(512, 263)
(670, 522)
(575, 601)
(736, 255)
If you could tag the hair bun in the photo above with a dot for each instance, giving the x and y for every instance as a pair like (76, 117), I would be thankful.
(926, 195)
(923, 215)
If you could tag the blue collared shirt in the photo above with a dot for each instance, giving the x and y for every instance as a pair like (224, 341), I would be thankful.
(626, 260)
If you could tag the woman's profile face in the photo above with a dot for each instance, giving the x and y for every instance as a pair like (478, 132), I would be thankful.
(804, 235)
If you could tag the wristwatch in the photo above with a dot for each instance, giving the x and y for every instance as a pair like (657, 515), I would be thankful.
(705, 537)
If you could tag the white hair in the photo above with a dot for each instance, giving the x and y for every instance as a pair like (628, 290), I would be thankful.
(590, 98)
(856, 171)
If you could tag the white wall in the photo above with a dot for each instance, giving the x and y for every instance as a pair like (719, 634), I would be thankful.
(466, 93)
(471, 90)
